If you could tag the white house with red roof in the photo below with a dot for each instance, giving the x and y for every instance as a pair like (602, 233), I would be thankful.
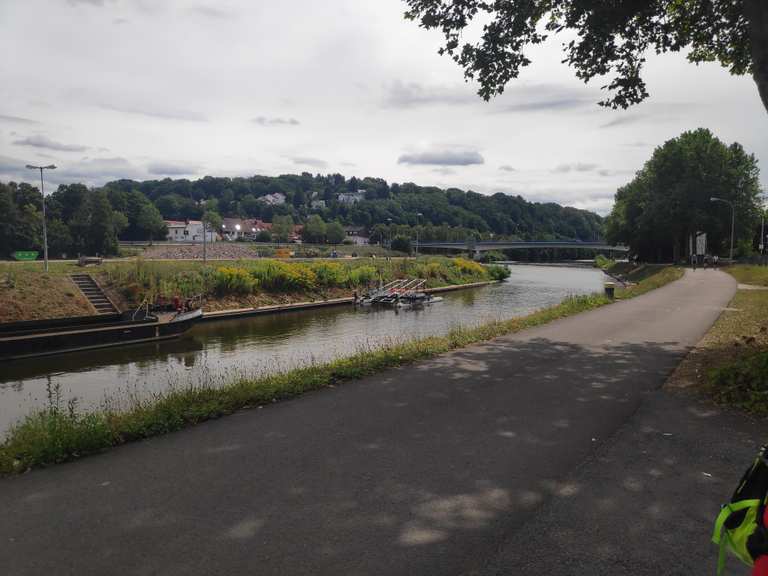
(187, 231)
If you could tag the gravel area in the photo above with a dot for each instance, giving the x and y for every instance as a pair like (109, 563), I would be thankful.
(220, 250)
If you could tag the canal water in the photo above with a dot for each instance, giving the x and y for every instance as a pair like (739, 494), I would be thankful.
(217, 352)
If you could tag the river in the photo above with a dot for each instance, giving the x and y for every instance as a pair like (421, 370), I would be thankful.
(222, 350)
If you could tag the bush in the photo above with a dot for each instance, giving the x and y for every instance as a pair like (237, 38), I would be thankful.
(329, 274)
(401, 244)
(275, 276)
(233, 281)
(362, 276)
(499, 273)
(469, 267)
(743, 383)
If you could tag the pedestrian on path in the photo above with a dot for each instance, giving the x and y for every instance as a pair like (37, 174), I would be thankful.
(693, 261)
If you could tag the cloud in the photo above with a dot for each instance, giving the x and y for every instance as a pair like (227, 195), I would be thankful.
(88, 2)
(14, 169)
(118, 21)
(211, 12)
(548, 105)
(444, 171)
(16, 119)
(413, 94)
(442, 158)
(623, 120)
(172, 169)
(42, 141)
(507, 168)
(97, 171)
(154, 112)
(308, 161)
(545, 98)
(264, 121)
(577, 167)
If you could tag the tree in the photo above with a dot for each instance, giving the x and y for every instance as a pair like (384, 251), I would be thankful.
(612, 38)
(669, 199)
(102, 233)
(264, 236)
(150, 223)
(314, 230)
(212, 220)
(401, 244)
(282, 228)
(59, 239)
(335, 232)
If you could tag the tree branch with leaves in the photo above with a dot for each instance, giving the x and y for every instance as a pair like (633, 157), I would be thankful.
(612, 38)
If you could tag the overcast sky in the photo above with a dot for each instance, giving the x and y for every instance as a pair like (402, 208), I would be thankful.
(109, 89)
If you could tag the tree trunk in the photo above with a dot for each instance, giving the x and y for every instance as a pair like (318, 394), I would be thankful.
(756, 12)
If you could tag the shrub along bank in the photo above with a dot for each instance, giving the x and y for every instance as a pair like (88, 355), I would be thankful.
(57, 434)
(251, 281)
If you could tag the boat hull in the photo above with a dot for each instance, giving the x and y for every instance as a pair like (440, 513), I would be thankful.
(127, 333)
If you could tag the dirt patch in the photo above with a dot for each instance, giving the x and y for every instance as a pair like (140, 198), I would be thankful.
(31, 295)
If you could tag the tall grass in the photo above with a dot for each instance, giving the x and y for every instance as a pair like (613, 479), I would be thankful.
(146, 279)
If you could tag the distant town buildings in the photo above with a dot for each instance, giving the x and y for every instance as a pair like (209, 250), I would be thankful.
(236, 228)
(233, 229)
(187, 231)
(317, 204)
(356, 234)
(275, 199)
(351, 197)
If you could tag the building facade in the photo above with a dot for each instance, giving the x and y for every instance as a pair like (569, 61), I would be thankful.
(187, 231)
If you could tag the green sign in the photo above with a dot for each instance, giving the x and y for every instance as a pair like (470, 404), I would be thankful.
(26, 254)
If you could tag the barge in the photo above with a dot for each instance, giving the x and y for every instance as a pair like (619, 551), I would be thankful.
(27, 340)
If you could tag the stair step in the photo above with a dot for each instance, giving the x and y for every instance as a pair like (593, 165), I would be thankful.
(93, 293)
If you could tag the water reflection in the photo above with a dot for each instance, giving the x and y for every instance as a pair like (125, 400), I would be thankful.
(219, 350)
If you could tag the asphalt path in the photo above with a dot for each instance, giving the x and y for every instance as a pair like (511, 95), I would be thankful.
(531, 454)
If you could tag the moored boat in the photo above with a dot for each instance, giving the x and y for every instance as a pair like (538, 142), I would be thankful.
(82, 334)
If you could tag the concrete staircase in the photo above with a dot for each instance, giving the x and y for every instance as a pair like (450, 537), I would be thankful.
(94, 293)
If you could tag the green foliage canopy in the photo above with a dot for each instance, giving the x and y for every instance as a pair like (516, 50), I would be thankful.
(611, 38)
(669, 199)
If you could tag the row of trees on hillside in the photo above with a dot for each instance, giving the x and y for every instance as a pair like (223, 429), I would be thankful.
(306, 194)
(670, 199)
(79, 220)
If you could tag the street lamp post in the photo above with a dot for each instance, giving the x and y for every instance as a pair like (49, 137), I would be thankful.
(733, 218)
(418, 215)
(42, 193)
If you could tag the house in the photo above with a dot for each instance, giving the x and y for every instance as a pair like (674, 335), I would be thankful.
(187, 231)
(357, 234)
(275, 199)
(317, 204)
(351, 197)
(236, 228)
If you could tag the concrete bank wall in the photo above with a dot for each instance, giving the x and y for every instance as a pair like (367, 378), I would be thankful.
(277, 308)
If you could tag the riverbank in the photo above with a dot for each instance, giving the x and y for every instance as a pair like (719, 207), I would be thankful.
(730, 364)
(59, 433)
(31, 293)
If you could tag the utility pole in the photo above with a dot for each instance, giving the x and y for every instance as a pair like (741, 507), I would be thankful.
(733, 219)
(42, 193)
(418, 215)
(204, 243)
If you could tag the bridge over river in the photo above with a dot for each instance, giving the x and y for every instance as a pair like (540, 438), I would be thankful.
(478, 247)
(485, 246)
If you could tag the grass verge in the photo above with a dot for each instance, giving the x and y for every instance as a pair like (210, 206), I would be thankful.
(58, 434)
(730, 364)
(755, 275)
